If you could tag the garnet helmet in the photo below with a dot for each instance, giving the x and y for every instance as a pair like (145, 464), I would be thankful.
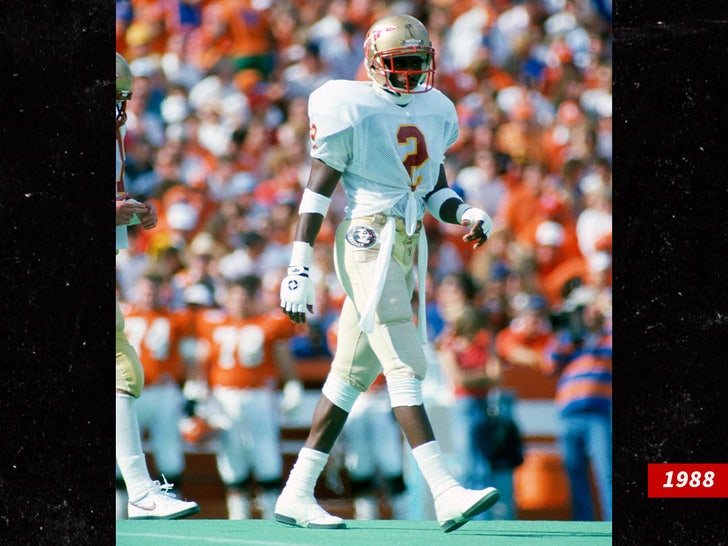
(399, 55)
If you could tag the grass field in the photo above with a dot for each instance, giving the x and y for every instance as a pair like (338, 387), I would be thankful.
(362, 533)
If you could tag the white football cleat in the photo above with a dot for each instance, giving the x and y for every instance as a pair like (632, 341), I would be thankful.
(159, 503)
(304, 511)
(457, 506)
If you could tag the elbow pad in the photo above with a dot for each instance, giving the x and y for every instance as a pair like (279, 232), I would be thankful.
(436, 200)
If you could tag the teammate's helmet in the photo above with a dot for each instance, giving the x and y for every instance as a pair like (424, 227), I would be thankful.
(123, 88)
(389, 48)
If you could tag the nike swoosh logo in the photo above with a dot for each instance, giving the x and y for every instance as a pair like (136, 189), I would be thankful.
(147, 508)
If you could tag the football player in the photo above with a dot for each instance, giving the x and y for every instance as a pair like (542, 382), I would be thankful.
(159, 336)
(386, 140)
(147, 499)
(245, 356)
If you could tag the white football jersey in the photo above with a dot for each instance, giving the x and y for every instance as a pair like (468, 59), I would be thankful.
(385, 152)
(122, 240)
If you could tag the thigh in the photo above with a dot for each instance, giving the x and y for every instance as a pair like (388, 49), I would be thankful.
(129, 371)
(394, 340)
(354, 361)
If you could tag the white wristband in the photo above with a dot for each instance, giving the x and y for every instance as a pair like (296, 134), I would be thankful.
(314, 203)
(301, 254)
(461, 210)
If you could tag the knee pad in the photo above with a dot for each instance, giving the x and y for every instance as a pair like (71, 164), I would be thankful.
(340, 392)
(404, 391)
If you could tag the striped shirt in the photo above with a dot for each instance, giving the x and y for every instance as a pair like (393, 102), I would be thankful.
(584, 370)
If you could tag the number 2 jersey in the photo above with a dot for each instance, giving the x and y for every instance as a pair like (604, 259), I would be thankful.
(387, 153)
(241, 350)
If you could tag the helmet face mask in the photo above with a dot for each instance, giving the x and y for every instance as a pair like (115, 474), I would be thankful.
(123, 89)
(399, 56)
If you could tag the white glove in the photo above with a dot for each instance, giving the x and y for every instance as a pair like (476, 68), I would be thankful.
(474, 215)
(292, 396)
(297, 291)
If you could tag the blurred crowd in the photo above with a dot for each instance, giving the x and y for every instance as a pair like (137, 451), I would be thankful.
(218, 138)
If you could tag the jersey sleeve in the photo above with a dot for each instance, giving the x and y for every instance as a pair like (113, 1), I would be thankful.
(452, 128)
(331, 127)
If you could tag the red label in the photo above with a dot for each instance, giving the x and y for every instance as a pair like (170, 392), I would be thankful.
(687, 480)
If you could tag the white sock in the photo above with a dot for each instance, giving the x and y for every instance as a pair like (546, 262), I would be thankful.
(129, 454)
(306, 471)
(432, 465)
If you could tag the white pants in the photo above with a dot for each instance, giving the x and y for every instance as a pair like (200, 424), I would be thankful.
(394, 345)
(159, 410)
(251, 443)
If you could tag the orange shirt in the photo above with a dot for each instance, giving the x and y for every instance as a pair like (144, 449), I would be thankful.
(552, 282)
(249, 28)
(518, 206)
(242, 350)
(155, 335)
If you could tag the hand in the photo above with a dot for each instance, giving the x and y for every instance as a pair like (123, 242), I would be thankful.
(297, 294)
(149, 218)
(481, 224)
(126, 209)
(292, 396)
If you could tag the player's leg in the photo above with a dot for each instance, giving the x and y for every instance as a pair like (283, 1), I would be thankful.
(147, 499)
(166, 440)
(265, 449)
(296, 504)
(396, 343)
(233, 458)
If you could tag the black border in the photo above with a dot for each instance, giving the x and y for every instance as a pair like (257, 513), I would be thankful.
(56, 273)
(57, 270)
(671, 285)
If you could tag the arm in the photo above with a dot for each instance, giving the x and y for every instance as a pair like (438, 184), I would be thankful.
(447, 206)
(292, 386)
(297, 291)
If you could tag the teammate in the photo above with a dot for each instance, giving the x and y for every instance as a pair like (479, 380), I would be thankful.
(386, 140)
(159, 336)
(147, 499)
(245, 357)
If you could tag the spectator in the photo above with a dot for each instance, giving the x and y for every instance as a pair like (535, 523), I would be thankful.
(580, 355)
(465, 352)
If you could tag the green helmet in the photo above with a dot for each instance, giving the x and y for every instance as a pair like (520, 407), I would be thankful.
(123, 79)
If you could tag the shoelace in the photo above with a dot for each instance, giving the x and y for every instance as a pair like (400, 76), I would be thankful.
(165, 487)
